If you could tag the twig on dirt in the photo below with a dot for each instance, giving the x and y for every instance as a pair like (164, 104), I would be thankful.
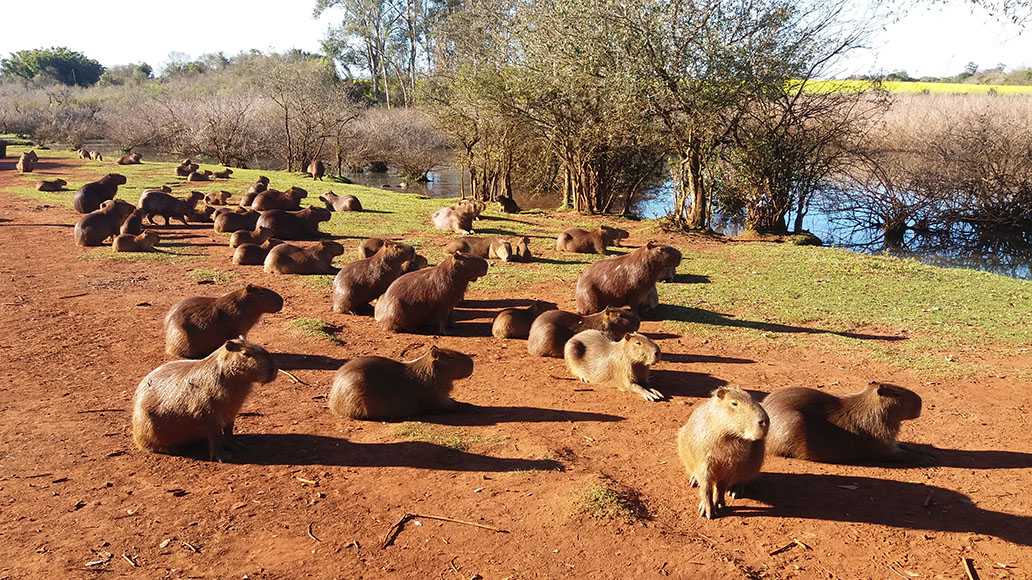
(795, 542)
(562, 378)
(79, 295)
(396, 528)
(191, 547)
(103, 558)
(454, 569)
(100, 411)
(37, 475)
(969, 568)
(892, 567)
(131, 559)
(353, 543)
(294, 378)
(311, 534)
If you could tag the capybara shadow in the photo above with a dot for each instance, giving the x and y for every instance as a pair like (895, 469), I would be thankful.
(690, 279)
(496, 303)
(467, 329)
(470, 415)
(672, 312)
(702, 358)
(289, 361)
(684, 383)
(967, 459)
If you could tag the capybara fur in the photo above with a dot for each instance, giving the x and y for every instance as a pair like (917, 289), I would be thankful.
(336, 202)
(144, 242)
(295, 225)
(362, 281)
(291, 259)
(508, 204)
(521, 250)
(133, 225)
(818, 426)
(370, 246)
(624, 280)
(425, 298)
(488, 248)
(57, 184)
(96, 156)
(197, 326)
(623, 364)
(184, 402)
(418, 262)
(317, 169)
(449, 219)
(26, 162)
(289, 200)
(217, 197)
(89, 197)
(232, 221)
(186, 167)
(223, 173)
(130, 159)
(253, 254)
(159, 203)
(722, 444)
(551, 330)
(256, 236)
(202, 214)
(474, 206)
(516, 322)
(581, 241)
(94, 228)
(195, 176)
(260, 185)
(378, 388)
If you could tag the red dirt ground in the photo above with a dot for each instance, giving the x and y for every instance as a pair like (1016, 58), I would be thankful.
(314, 496)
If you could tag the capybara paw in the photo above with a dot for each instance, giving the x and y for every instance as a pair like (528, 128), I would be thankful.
(652, 395)
(706, 510)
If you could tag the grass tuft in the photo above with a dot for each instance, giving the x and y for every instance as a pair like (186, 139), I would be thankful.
(605, 499)
(316, 328)
(211, 276)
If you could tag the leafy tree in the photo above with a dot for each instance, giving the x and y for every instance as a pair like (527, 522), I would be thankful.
(60, 64)
(124, 74)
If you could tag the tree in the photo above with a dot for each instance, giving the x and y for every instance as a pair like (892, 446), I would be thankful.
(59, 64)
(126, 74)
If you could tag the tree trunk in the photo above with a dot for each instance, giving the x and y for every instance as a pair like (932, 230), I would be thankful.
(691, 203)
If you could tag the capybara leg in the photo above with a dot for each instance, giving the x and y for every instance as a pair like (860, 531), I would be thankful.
(166, 219)
(646, 393)
(719, 490)
(150, 218)
(182, 219)
(214, 442)
(706, 507)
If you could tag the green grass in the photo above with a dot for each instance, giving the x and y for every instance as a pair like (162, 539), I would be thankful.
(605, 499)
(439, 435)
(165, 255)
(920, 87)
(211, 276)
(316, 328)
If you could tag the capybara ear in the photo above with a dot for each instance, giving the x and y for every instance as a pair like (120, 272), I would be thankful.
(235, 345)
(720, 392)
(652, 244)
(435, 353)
(886, 390)
(250, 287)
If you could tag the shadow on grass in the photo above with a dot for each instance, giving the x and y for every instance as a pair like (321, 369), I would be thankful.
(553, 261)
(689, 279)
(497, 303)
(4, 222)
(493, 218)
(469, 415)
(701, 316)
(703, 358)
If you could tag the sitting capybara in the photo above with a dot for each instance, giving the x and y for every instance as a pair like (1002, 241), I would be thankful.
(228, 221)
(721, 445)
(295, 225)
(624, 280)
(260, 185)
(51, 185)
(508, 204)
(425, 298)
(133, 225)
(550, 331)
(89, 197)
(197, 326)
(144, 242)
(580, 241)
(449, 219)
(370, 246)
(186, 167)
(291, 259)
(257, 236)
(97, 226)
(289, 200)
(27, 162)
(378, 388)
(130, 159)
(487, 248)
(190, 401)
(817, 426)
(223, 173)
(336, 202)
(362, 281)
(623, 364)
(516, 322)
(159, 203)
(253, 254)
(217, 198)
(317, 169)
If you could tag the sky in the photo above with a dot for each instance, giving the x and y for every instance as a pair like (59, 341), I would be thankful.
(929, 41)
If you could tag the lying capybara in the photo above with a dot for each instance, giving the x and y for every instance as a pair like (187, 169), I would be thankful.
(257, 236)
(581, 241)
(89, 197)
(253, 254)
(133, 225)
(487, 248)
(425, 298)
(473, 206)
(202, 214)
(51, 185)
(623, 364)
(223, 173)
(317, 169)
(229, 221)
(721, 445)
(378, 388)
(336, 202)
(550, 330)
(144, 242)
(197, 326)
(291, 259)
(94, 228)
(260, 185)
(817, 426)
(362, 281)
(521, 250)
(196, 176)
(159, 203)
(217, 198)
(190, 401)
(295, 225)
(508, 204)
(289, 200)
(130, 159)
(516, 322)
(624, 280)
(186, 167)
(449, 219)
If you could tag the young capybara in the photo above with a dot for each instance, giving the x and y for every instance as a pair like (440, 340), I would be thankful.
(190, 401)
(253, 254)
(336, 202)
(133, 225)
(89, 197)
(581, 241)
(26, 162)
(229, 221)
(378, 388)
(362, 281)
(624, 280)
(294, 225)
(291, 259)
(508, 204)
(94, 228)
(197, 326)
(449, 219)
(721, 445)
(516, 322)
(550, 331)
(289, 200)
(144, 242)
(57, 184)
(425, 298)
(487, 248)
(257, 236)
(223, 173)
(159, 203)
(623, 364)
(217, 198)
(317, 169)
(260, 185)
(818, 426)
(130, 159)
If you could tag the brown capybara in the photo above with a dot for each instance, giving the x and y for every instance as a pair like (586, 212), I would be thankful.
(289, 200)
(550, 331)
(593, 358)
(217, 198)
(336, 202)
(303, 260)
(418, 262)
(190, 401)
(473, 206)
(196, 176)
(817, 426)
(260, 185)
(508, 204)
(223, 173)
(581, 241)
(625, 280)
(425, 298)
(26, 162)
(449, 219)
(133, 225)
(197, 326)
(317, 169)
(521, 250)
(89, 197)
(202, 214)
(94, 228)
(159, 203)
(487, 248)
(144, 242)
(130, 159)
(516, 322)
(721, 446)
(186, 167)
(230, 221)
(362, 281)
(51, 185)
(256, 236)
(378, 388)
(295, 225)
(253, 254)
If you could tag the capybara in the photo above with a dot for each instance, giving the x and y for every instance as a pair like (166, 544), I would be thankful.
(202, 214)
(130, 159)
(232, 221)
(186, 167)
(97, 226)
(82, 153)
(57, 184)
(378, 388)
(516, 322)
(217, 198)
(133, 225)
(425, 298)
(362, 281)
(449, 219)
(418, 262)
(623, 364)
(291, 259)
(508, 204)
(521, 250)
(144, 242)
(289, 200)
(721, 445)
(473, 206)
(256, 236)
(96, 156)
(487, 248)
(190, 401)
(89, 197)
(624, 280)
(223, 173)
(317, 169)
(253, 254)
(581, 241)
(550, 330)
(260, 185)
(818, 426)
(195, 176)
(295, 225)
(159, 203)
(197, 326)
(336, 202)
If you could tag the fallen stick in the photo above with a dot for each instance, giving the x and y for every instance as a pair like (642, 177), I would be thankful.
(969, 568)
(100, 411)
(79, 295)
(294, 378)
(396, 528)
(312, 535)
